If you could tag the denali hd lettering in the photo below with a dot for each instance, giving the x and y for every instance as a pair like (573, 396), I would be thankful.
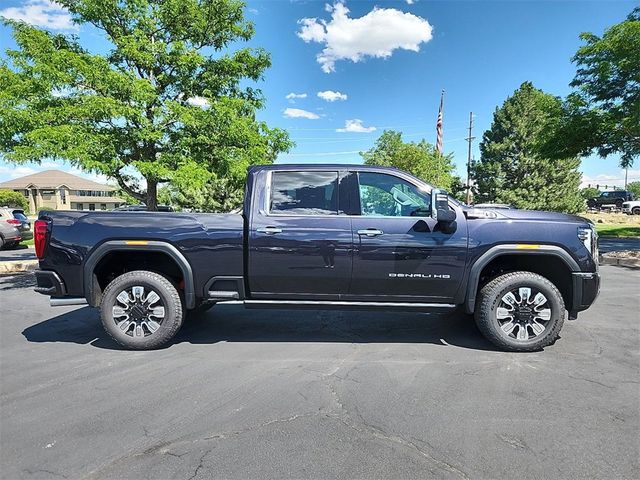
(324, 236)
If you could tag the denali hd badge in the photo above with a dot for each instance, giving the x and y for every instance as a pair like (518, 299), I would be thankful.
(419, 275)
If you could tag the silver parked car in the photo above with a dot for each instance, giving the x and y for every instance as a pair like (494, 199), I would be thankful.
(9, 235)
(17, 218)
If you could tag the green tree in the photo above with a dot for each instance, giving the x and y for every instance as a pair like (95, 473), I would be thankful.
(589, 192)
(603, 113)
(511, 168)
(419, 158)
(171, 102)
(633, 187)
(9, 198)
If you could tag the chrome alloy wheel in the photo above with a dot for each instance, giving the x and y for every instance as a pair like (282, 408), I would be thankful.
(137, 313)
(523, 315)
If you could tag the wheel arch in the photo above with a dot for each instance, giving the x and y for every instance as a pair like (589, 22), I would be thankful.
(91, 286)
(510, 251)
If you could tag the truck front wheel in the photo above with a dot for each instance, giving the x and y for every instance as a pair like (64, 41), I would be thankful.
(141, 310)
(520, 312)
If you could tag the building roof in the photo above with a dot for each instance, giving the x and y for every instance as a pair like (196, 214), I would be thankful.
(55, 179)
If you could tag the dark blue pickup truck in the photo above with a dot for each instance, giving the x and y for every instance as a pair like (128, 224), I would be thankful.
(324, 236)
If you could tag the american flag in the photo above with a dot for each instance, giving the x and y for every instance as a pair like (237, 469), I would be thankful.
(439, 125)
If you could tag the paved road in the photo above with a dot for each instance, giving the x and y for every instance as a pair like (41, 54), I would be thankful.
(21, 252)
(610, 244)
(282, 394)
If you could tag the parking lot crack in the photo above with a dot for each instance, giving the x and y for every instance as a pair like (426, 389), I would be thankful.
(42, 470)
(200, 465)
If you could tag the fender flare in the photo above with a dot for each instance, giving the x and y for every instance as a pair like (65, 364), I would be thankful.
(510, 249)
(148, 245)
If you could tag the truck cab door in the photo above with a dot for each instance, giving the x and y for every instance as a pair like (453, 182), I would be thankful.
(400, 253)
(300, 242)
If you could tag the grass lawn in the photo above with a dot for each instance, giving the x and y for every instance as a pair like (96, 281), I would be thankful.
(27, 242)
(615, 224)
(617, 230)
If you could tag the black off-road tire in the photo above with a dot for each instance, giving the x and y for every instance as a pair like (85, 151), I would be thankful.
(635, 211)
(169, 296)
(591, 204)
(490, 297)
(1, 242)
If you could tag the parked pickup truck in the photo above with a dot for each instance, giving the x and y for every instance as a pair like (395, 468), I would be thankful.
(324, 236)
(631, 207)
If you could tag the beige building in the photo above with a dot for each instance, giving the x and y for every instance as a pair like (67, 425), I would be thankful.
(59, 190)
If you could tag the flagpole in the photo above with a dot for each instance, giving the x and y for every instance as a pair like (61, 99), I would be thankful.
(439, 134)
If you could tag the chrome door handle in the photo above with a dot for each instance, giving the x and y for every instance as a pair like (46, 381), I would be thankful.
(269, 230)
(370, 232)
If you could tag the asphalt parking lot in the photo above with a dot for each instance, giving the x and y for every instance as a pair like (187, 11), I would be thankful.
(300, 394)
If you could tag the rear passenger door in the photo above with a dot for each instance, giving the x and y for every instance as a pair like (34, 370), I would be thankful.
(300, 241)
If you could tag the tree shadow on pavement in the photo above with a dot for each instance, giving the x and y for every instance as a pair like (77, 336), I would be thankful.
(237, 324)
(18, 280)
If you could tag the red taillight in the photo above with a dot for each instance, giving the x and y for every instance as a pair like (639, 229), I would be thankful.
(13, 221)
(40, 237)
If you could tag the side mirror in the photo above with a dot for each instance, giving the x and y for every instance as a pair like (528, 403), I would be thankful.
(440, 211)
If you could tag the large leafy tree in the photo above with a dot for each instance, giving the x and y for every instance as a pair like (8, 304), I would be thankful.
(511, 168)
(168, 103)
(603, 113)
(9, 198)
(419, 158)
(634, 187)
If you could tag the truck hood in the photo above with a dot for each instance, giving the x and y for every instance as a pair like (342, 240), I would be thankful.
(537, 215)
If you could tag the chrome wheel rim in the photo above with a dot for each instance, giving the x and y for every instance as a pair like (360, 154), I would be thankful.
(138, 312)
(523, 314)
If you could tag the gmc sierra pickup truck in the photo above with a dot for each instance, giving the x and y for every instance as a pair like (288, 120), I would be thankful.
(324, 236)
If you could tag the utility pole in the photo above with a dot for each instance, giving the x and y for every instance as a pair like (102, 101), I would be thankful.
(469, 139)
(626, 174)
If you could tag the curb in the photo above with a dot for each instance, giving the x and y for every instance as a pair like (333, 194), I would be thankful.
(620, 262)
(18, 266)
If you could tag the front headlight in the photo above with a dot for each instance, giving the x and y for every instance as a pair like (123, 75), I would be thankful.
(589, 238)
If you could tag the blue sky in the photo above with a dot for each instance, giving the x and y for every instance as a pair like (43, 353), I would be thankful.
(385, 63)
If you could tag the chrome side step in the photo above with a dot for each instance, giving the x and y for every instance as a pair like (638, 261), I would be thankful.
(66, 301)
(334, 303)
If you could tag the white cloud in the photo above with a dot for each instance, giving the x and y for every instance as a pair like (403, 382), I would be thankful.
(410, 2)
(299, 113)
(377, 34)
(292, 96)
(41, 13)
(331, 96)
(355, 126)
(198, 101)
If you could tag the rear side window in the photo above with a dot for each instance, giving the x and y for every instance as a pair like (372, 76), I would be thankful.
(304, 193)
(19, 215)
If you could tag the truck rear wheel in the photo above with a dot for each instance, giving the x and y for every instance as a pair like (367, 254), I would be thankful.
(520, 312)
(141, 310)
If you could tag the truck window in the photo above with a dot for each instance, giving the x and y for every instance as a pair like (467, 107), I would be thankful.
(388, 196)
(304, 193)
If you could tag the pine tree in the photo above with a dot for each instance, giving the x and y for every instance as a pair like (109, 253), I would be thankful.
(511, 168)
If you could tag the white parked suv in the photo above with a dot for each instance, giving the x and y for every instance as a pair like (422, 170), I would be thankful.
(631, 207)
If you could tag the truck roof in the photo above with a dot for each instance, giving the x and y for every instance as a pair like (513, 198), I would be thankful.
(319, 166)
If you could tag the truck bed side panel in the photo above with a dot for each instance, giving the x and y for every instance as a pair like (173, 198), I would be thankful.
(211, 243)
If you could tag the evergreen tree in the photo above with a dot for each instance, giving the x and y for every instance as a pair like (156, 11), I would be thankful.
(511, 168)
